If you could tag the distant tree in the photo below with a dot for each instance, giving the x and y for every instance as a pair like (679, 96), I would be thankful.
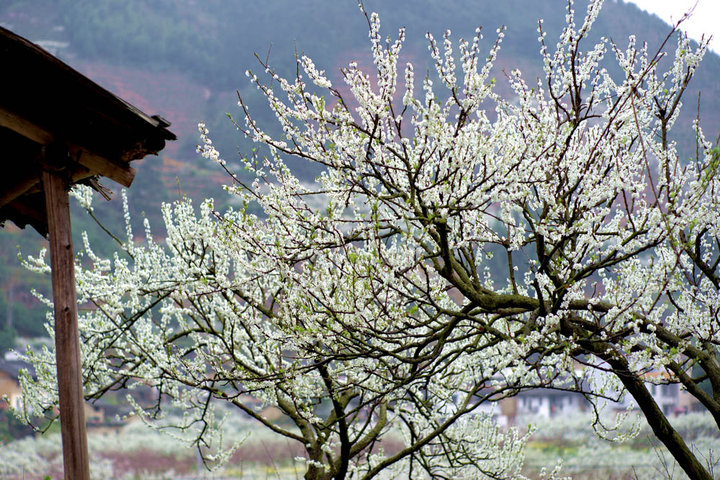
(363, 304)
(11, 428)
(8, 336)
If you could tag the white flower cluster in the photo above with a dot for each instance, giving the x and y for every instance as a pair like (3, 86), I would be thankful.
(206, 149)
(83, 194)
(460, 256)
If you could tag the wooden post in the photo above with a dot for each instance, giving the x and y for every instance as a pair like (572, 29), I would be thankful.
(67, 348)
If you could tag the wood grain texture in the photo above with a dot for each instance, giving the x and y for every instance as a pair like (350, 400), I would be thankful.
(69, 374)
(114, 169)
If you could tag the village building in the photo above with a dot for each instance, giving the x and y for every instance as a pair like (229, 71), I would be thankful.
(10, 391)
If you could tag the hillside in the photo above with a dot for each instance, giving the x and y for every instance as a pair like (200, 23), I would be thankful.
(185, 59)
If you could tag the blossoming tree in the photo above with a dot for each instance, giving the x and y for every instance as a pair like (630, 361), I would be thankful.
(457, 248)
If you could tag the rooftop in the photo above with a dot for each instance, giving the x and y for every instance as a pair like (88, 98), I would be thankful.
(45, 105)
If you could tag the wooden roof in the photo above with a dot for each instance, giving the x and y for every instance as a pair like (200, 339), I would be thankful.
(45, 104)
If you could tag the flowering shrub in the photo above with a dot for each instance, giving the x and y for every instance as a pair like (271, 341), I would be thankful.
(366, 303)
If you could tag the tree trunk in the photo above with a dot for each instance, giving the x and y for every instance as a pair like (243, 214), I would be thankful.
(657, 420)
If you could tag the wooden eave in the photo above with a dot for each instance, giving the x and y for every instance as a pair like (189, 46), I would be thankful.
(44, 103)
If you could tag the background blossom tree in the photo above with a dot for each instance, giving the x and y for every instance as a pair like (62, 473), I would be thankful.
(457, 248)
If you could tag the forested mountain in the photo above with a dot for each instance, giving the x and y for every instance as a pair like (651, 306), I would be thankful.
(186, 60)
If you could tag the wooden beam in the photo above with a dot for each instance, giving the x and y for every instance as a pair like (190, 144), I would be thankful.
(28, 212)
(30, 183)
(24, 127)
(67, 346)
(97, 164)
(17, 189)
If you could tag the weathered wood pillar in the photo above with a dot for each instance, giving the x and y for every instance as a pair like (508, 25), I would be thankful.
(67, 348)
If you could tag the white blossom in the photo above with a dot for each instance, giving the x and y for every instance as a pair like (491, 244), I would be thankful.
(467, 247)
